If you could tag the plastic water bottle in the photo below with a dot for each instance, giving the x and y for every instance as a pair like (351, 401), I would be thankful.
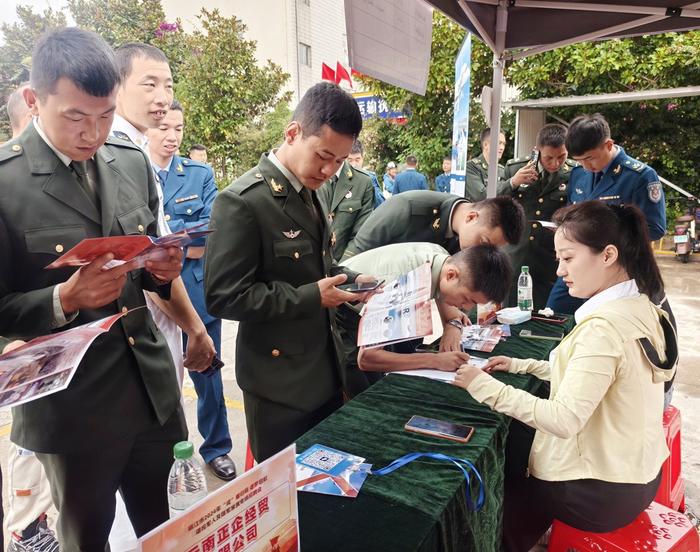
(186, 482)
(525, 289)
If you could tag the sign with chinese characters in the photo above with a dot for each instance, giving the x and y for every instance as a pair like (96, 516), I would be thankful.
(374, 106)
(255, 512)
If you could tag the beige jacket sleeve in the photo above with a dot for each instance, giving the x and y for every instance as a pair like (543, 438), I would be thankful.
(590, 370)
(539, 368)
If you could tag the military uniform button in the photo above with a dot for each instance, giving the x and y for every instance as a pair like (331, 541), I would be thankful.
(189, 211)
(16, 147)
(538, 212)
(132, 341)
(258, 175)
(435, 211)
(124, 310)
(534, 225)
(350, 209)
(167, 217)
(532, 238)
(296, 255)
(561, 199)
(520, 196)
(275, 352)
(540, 200)
(59, 248)
(140, 227)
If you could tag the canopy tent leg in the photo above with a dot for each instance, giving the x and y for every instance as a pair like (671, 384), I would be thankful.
(495, 122)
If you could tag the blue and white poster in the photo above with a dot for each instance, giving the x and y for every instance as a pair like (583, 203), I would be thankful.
(460, 125)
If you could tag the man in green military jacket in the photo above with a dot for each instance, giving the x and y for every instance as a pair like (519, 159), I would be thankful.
(477, 171)
(269, 266)
(114, 426)
(539, 184)
(347, 200)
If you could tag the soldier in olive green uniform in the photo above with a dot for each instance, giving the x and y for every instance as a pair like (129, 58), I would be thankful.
(347, 200)
(477, 171)
(540, 186)
(269, 266)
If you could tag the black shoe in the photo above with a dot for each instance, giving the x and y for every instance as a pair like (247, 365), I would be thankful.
(223, 467)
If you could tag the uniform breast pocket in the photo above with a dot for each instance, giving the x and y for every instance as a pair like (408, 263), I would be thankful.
(136, 221)
(292, 249)
(349, 206)
(187, 210)
(50, 243)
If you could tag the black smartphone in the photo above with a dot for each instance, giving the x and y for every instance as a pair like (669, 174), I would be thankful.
(216, 365)
(361, 287)
(534, 157)
(439, 428)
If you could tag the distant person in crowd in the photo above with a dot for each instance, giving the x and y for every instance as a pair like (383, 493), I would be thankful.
(442, 181)
(347, 199)
(356, 159)
(18, 111)
(269, 266)
(29, 493)
(607, 173)
(410, 179)
(598, 445)
(189, 190)
(539, 183)
(114, 427)
(476, 274)
(198, 153)
(447, 220)
(477, 171)
(389, 179)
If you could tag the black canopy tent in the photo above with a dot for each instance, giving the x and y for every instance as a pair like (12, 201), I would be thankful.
(514, 29)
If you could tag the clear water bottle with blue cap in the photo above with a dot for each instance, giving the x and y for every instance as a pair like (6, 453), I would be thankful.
(186, 482)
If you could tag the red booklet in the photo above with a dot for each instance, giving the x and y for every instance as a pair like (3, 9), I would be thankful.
(126, 248)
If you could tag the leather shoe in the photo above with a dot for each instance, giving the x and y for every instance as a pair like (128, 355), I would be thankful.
(223, 467)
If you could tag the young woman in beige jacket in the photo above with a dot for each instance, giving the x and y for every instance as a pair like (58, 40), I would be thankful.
(598, 444)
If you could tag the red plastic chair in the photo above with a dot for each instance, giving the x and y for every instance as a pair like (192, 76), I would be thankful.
(657, 529)
(672, 488)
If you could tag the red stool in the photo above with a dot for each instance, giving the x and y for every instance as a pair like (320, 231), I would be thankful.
(657, 529)
(672, 489)
(249, 459)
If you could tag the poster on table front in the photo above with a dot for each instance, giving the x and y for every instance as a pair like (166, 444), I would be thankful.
(256, 512)
(460, 125)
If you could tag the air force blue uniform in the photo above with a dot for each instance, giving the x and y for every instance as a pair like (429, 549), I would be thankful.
(442, 182)
(188, 194)
(408, 180)
(625, 181)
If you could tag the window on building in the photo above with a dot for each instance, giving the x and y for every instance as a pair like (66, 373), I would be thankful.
(304, 54)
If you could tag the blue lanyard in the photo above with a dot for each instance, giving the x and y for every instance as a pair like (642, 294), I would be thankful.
(459, 462)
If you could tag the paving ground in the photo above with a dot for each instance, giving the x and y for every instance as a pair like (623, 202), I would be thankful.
(683, 289)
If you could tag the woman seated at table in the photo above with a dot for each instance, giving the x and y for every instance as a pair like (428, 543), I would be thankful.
(599, 446)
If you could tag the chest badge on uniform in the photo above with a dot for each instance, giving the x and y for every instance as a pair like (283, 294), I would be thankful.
(348, 195)
(333, 240)
(562, 187)
(275, 186)
(436, 224)
(654, 190)
(617, 169)
(291, 234)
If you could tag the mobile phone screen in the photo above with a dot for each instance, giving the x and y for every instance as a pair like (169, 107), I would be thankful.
(439, 428)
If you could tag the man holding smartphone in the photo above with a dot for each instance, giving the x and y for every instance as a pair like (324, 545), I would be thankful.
(540, 184)
(269, 265)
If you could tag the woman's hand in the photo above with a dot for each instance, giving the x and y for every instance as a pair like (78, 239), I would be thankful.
(498, 364)
(465, 375)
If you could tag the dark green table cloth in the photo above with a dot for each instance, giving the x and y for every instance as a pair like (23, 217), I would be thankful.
(421, 506)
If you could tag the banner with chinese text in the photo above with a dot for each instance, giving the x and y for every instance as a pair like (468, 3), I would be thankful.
(460, 126)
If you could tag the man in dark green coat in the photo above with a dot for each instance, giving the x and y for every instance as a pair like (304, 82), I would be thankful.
(347, 200)
(539, 184)
(114, 427)
(436, 217)
(269, 265)
(477, 171)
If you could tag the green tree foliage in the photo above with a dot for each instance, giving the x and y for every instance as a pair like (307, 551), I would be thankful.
(225, 90)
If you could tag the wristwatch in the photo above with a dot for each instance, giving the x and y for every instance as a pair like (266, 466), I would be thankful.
(457, 323)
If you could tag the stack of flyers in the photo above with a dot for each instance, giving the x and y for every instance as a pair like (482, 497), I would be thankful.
(481, 338)
(324, 470)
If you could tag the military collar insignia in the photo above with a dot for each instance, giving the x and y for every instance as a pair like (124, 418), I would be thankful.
(579, 191)
(562, 186)
(179, 168)
(291, 234)
(348, 195)
(617, 169)
(484, 166)
(565, 167)
(436, 224)
(276, 187)
(121, 135)
(333, 240)
(348, 173)
(636, 165)
(185, 161)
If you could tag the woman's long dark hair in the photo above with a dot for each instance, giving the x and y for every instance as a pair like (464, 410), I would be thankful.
(596, 224)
